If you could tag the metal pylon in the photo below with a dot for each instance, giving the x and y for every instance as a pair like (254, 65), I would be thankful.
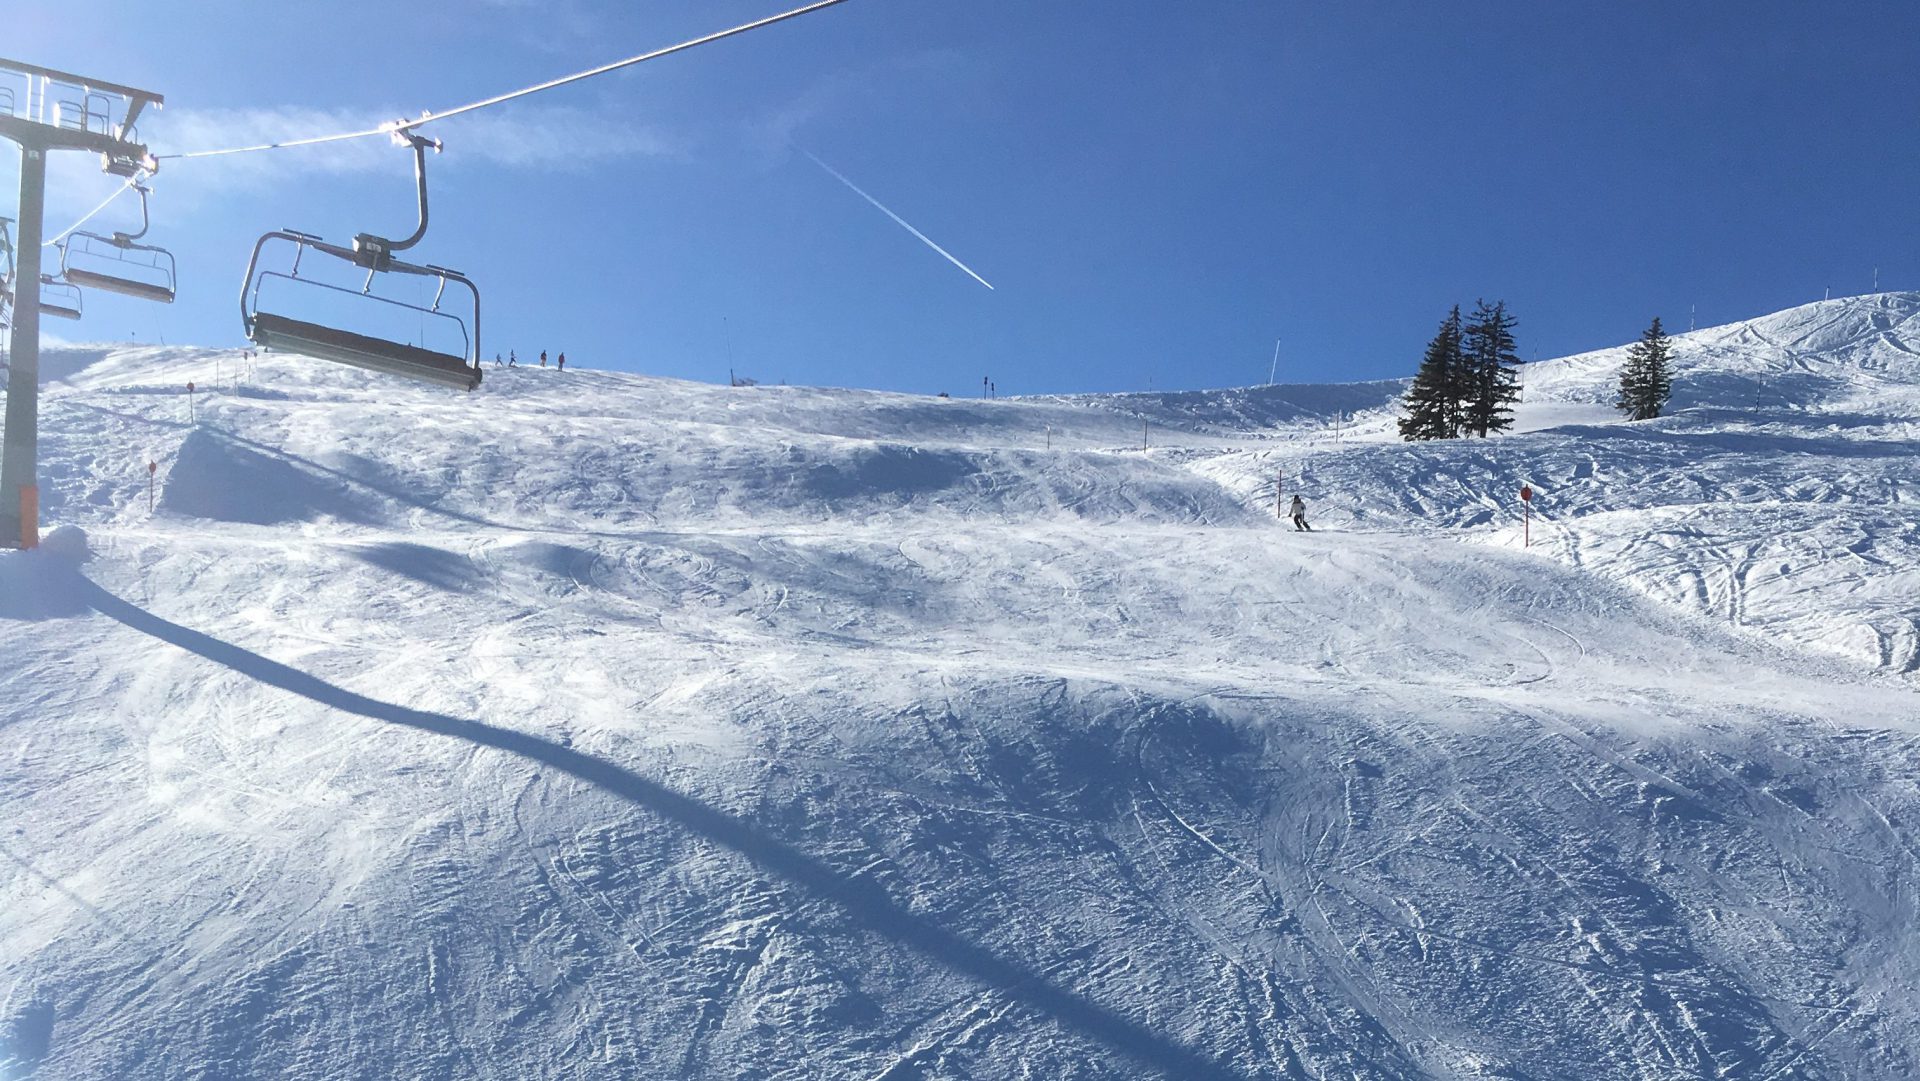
(62, 111)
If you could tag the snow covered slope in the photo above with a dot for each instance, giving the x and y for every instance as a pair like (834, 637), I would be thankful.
(1781, 496)
(594, 725)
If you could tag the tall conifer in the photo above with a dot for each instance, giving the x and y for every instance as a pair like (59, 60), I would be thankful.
(1433, 400)
(1646, 380)
(1492, 383)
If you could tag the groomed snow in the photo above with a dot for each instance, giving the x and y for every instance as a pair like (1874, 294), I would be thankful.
(595, 725)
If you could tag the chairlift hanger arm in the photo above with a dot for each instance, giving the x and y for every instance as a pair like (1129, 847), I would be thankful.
(146, 222)
(375, 252)
(420, 143)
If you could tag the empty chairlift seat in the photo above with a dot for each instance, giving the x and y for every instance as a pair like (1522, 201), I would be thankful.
(116, 265)
(120, 263)
(277, 331)
(59, 299)
(372, 260)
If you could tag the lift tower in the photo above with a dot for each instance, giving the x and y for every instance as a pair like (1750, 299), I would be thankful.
(43, 110)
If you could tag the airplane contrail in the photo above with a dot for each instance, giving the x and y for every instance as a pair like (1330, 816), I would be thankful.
(924, 239)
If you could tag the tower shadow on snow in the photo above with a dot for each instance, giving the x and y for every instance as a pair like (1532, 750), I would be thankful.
(867, 904)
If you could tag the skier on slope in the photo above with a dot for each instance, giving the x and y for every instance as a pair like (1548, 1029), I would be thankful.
(563, 362)
(513, 359)
(543, 358)
(1299, 514)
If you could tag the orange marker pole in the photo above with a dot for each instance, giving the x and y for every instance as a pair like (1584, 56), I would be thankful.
(29, 516)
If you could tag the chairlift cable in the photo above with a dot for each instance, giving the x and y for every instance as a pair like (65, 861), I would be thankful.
(397, 126)
(91, 214)
(276, 146)
(428, 118)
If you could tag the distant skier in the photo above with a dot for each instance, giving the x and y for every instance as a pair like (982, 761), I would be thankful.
(496, 360)
(563, 362)
(513, 359)
(543, 358)
(1299, 513)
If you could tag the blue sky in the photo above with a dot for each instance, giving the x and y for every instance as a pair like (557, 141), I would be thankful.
(1157, 191)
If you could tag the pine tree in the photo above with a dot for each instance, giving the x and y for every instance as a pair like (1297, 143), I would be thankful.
(1646, 381)
(1432, 401)
(1492, 370)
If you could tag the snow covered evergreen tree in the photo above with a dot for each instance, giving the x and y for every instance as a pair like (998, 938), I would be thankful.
(1433, 401)
(1492, 376)
(1646, 382)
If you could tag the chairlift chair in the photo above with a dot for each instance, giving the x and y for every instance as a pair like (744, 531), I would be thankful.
(283, 333)
(119, 264)
(60, 299)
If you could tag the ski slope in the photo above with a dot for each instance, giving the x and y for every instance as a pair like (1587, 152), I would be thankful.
(595, 725)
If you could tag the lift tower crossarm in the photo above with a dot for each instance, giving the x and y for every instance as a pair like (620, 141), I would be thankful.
(137, 100)
(30, 133)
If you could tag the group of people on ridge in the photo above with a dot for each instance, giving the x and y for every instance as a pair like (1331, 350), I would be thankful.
(513, 360)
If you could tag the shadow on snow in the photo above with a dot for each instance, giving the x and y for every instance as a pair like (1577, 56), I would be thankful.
(866, 903)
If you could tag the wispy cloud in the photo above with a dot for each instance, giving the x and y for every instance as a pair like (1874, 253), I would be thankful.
(562, 138)
(548, 138)
(851, 91)
(551, 26)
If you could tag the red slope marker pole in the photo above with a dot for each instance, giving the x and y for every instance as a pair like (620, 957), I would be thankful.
(151, 466)
(29, 516)
(1526, 520)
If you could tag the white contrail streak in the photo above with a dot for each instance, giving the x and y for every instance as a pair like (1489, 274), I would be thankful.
(924, 239)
